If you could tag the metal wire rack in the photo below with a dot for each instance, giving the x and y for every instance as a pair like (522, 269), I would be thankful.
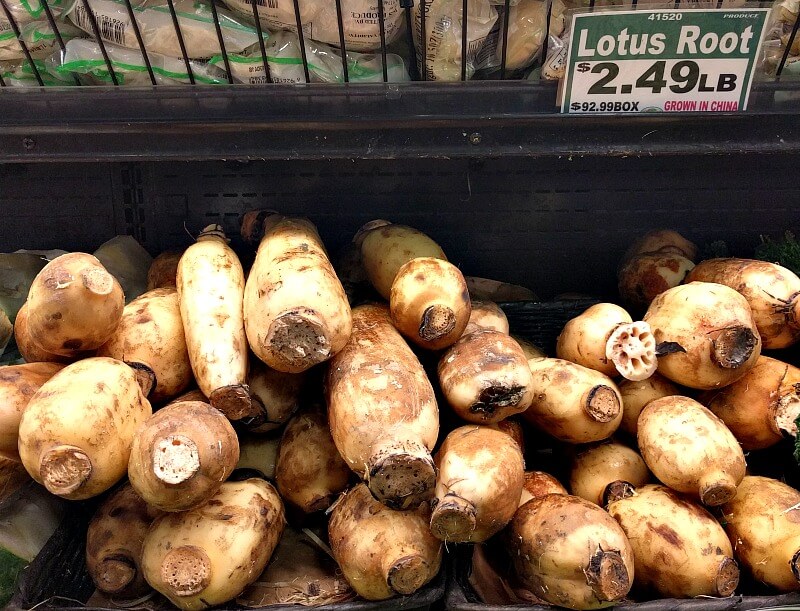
(417, 42)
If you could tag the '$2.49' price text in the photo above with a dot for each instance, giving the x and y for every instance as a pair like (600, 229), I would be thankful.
(683, 77)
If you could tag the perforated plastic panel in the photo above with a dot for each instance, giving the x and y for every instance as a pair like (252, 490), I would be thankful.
(555, 224)
(59, 206)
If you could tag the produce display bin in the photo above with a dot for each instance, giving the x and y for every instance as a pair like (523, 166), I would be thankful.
(509, 188)
(58, 579)
(461, 597)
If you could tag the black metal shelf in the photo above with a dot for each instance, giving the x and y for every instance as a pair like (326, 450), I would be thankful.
(381, 121)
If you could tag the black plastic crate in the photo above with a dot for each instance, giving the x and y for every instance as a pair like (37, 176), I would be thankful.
(57, 578)
(462, 597)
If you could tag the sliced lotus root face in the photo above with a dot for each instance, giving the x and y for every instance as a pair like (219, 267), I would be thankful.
(632, 349)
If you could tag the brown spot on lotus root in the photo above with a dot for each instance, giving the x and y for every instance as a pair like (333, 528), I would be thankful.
(668, 534)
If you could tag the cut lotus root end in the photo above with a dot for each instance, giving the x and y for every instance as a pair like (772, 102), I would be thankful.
(602, 404)
(632, 349)
(212, 232)
(362, 232)
(607, 575)
(64, 469)
(495, 397)
(145, 377)
(253, 223)
(618, 490)
(98, 281)
(733, 347)
(796, 565)
(787, 411)
(453, 519)
(716, 493)
(176, 459)
(234, 401)
(402, 479)
(437, 321)
(115, 573)
(727, 577)
(408, 575)
(186, 570)
(298, 339)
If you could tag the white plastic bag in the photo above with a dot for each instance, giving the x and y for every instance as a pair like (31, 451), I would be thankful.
(443, 34)
(360, 20)
(25, 11)
(526, 32)
(158, 32)
(38, 36)
(324, 63)
(84, 57)
(19, 73)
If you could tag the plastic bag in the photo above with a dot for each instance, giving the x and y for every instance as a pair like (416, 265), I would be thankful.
(779, 31)
(442, 37)
(19, 73)
(84, 57)
(25, 11)
(324, 63)
(526, 32)
(555, 65)
(38, 36)
(158, 32)
(360, 22)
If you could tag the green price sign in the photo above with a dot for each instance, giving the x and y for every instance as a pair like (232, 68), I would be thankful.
(662, 60)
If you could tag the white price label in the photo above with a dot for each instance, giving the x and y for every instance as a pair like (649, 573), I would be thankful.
(662, 61)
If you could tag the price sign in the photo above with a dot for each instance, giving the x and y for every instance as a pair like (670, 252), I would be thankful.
(662, 60)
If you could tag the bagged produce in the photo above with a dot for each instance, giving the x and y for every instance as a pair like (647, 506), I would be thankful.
(360, 20)
(84, 57)
(25, 11)
(442, 37)
(527, 21)
(18, 73)
(285, 63)
(158, 32)
(38, 37)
